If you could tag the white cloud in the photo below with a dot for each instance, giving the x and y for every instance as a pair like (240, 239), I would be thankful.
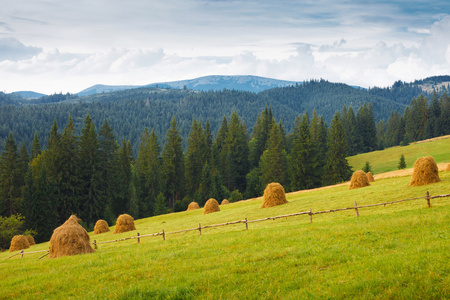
(51, 46)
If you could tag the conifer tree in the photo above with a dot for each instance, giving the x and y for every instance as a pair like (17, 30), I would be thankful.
(304, 160)
(92, 199)
(366, 128)
(273, 162)
(108, 151)
(160, 205)
(40, 202)
(432, 126)
(336, 168)
(196, 156)
(236, 145)
(402, 162)
(367, 167)
(444, 102)
(69, 185)
(35, 147)
(260, 134)
(10, 195)
(352, 135)
(173, 163)
(219, 151)
(149, 172)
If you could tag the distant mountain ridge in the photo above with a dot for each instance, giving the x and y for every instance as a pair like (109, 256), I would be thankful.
(248, 83)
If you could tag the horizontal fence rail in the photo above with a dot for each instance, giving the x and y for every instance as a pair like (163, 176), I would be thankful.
(246, 222)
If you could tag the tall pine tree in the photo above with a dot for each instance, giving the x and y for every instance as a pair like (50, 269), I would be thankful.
(173, 164)
(336, 168)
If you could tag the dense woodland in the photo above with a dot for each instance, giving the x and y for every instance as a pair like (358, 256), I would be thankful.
(94, 174)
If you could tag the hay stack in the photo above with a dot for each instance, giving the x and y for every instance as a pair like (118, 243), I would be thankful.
(101, 226)
(448, 168)
(425, 171)
(193, 205)
(370, 177)
(211, 206)
(19, 242)
(69, 239)
(225, 201)
(30, 240)
(124, 223)
(274, 195)
(359, 179)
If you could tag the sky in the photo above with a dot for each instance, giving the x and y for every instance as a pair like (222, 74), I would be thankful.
(53, 46)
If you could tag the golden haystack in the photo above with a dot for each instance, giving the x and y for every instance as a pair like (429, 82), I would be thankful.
(225, 201)
(101, 226)
(19, 242)
(274, 194)
(448, 168)
(69, 239)
(359, 179)
(124, 223)
(211, 206)
(193, 205)
(30, 240)
(425, 171)
(370, 177)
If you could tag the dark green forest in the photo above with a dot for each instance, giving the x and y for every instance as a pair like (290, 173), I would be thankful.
(149, 151)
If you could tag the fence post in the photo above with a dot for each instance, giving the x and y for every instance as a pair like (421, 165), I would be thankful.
(310, 215)
(428, 199)
(246, 224)
(21, 254)
(95, 244)
(356, 209)
(199, 229)
(139, 239)
(164, 235)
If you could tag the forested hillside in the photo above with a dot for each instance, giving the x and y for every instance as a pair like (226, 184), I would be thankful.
(130, 111)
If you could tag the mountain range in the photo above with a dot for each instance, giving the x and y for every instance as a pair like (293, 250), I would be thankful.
(130, 109)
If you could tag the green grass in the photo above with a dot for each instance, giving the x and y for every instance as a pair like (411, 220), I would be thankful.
(387, 160)
(396, 251)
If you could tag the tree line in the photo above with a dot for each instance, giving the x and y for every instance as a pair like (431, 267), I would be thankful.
(94, 176)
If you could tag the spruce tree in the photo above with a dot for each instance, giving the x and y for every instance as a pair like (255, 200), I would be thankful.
(196, 156)
(402, 162)
(35, 147)
(69, 184)
(367, 167)
(148, 165)
(173, 163)
(236, 161)
(219, 151)
(160, 205)
(260, 134)
(92, 199)
(336, 168)
(40, 200)
(304, 160)
(10, 195)
(273, 162)
(108, 151)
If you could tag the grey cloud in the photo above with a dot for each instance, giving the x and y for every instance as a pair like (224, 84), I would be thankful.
(12, 49)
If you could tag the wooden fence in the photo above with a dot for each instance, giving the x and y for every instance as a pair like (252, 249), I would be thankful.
(246, 222)
(428, 198)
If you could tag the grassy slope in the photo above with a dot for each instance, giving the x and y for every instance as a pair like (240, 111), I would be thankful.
(387, 160)
(397, 251)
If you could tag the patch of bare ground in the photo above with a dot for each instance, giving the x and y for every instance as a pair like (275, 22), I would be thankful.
(433, 139)
(405, 172)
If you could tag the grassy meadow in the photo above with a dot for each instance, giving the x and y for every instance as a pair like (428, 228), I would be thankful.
(387, 160)
(398, 251)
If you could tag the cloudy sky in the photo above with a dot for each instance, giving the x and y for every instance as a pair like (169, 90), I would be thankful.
(52, 46)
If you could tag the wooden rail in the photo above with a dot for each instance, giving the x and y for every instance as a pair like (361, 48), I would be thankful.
(246, 222)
